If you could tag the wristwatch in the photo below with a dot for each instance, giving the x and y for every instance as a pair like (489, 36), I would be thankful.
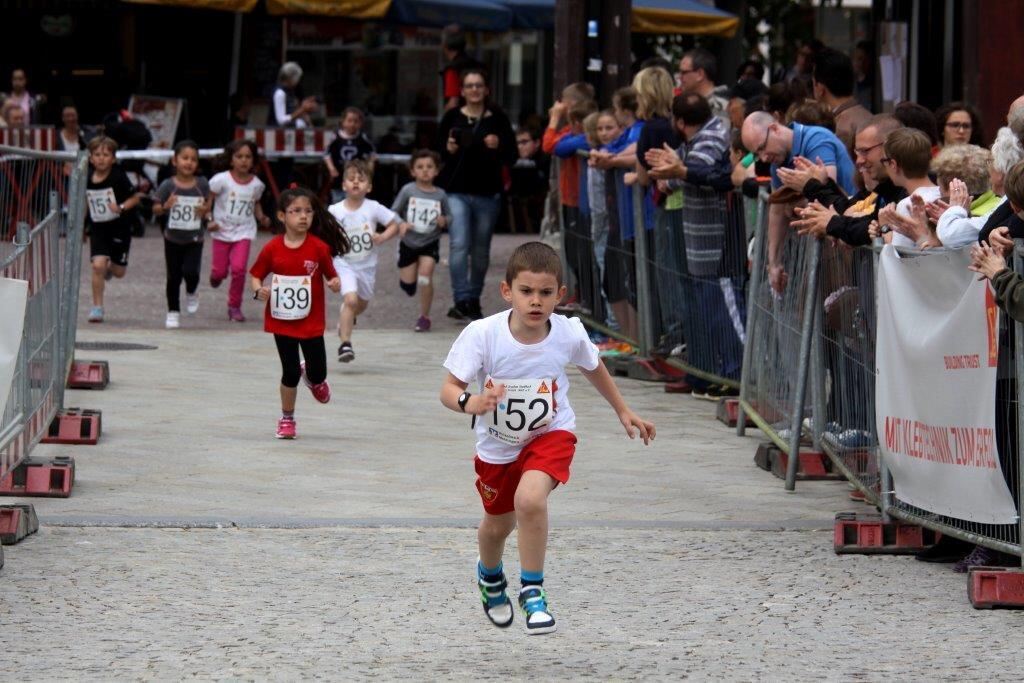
(463, 400)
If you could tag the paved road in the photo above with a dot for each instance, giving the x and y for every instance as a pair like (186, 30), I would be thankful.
(195, 544)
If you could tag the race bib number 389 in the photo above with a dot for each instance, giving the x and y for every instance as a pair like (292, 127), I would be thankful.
(360, 236)
(291, 296)
(525, 411)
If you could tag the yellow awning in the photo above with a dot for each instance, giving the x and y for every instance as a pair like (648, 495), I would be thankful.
(223, 5)
(354, 9)
(666, 21)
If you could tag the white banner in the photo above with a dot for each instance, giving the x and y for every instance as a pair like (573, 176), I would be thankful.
(13, 298)
(935, 390)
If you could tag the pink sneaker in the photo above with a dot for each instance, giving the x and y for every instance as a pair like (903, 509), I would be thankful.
(422, 325)
(235, 314)
(321, 392)
(286, 428)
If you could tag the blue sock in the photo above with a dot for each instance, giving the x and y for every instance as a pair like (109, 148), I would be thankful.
(532, 578)
(487, 573)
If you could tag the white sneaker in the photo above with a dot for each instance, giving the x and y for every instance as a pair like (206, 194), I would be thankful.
(191, 303)
(173, 320)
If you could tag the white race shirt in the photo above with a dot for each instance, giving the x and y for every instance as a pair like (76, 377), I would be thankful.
(234, 210)
(486, 350)
(928, 194)
(360, 226)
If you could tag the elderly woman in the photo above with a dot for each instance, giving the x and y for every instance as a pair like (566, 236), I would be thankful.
(961, 220)
(286, 110)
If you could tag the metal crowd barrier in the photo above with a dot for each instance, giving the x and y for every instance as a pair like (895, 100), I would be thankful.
(46, 253)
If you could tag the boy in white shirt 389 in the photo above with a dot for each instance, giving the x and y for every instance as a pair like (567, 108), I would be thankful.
(524, 424)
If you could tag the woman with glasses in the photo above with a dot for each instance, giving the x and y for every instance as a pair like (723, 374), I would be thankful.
(476, 145)
(959, 124)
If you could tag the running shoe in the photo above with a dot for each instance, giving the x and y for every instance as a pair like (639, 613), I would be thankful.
(474, 310)
(286, 428)
(979, 557)
(96, 314)
(321, 392)
(109, 275)
(235, 314)
(534, 603)
(191, 303)
(422, 325)
(455, 313)
(215, 281)
(497, 606)
(173, 320)
(345, 353)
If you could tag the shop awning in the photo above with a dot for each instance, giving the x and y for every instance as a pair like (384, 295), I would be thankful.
(472, 15)
(223, 5)
(649, 16)
(355, 9)
(683, 16)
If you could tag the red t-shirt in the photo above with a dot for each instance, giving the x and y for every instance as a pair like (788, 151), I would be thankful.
(312, 258)
(452, 83)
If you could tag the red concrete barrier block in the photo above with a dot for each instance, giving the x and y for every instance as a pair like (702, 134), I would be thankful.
(812, 465)
(17, 522)
(857, 534)
(75, 426)
(728, 411)
(989, 587)
(89, 374)
(51, 478)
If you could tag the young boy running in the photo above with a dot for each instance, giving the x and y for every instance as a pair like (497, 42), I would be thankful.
(361, 218)
(426, 211)
(524, 424)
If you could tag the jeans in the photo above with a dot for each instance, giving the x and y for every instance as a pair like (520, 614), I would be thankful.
(183, 262)
(473, 220)
(233, 256)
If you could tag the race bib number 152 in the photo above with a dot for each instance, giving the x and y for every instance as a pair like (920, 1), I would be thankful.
(525, 411)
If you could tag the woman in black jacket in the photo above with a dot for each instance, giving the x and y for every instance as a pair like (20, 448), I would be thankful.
(476, 143)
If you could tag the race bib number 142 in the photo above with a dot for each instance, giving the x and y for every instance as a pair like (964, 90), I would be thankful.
(525, 411)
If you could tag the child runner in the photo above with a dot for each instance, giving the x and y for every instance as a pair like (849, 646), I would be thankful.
(297, 264)
(426, 212)
(524, 429)
(182, 204)
(361, 219)
(351, 143)
(109, 194)
(236, 211)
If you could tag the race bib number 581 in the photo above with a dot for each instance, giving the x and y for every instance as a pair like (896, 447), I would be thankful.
(525, 411)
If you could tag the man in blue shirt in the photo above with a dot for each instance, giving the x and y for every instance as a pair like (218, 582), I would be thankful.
(777, 144)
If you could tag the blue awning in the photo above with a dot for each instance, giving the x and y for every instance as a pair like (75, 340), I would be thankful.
(649, 16)
(471, 15)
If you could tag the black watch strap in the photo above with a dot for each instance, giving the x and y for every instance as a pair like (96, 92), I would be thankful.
(463, 400)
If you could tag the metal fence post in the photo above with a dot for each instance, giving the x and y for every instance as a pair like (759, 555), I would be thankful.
(818, 390)
(753, 286)
(71, 271)
(645, 323)
(807, 330)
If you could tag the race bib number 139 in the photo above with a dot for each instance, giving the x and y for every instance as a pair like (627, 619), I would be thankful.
(525, 411)
(291, 297)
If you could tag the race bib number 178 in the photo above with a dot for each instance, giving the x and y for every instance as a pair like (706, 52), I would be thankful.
(525, 411)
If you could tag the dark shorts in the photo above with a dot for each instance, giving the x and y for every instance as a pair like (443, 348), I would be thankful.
(112, 242)
(409, 255)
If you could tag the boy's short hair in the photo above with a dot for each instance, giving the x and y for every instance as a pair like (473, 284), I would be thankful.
(357, 166)
(582, 110)
(579, 91)
(911, 149)
(625, 98)
(691, 109)
(1014, 185)
(102, 141)
(535, 257)
(812, 113)
(425, 154)
(353, 110)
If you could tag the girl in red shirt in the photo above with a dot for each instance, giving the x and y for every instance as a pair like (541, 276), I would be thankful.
(297, 263)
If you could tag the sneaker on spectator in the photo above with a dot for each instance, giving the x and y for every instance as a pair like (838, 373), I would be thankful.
(96, 314)
(455, 313)
(286, 428)
(473, 310)
(173, 321)
(979, 557)
(191, 303)
(321, 392)
(422, 325)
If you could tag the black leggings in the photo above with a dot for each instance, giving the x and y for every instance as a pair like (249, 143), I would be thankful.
(313, 352)
(183, 262)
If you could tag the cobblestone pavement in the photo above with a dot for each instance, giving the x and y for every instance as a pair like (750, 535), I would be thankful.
(196, 545)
